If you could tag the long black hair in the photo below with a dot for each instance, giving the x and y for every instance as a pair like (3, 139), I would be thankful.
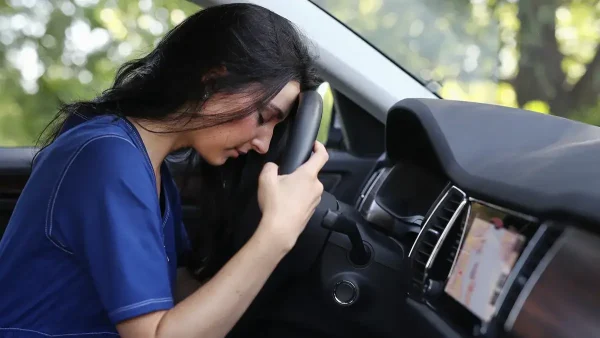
(227, 49)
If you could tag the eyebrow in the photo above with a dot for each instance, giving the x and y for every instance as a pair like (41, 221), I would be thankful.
(279, 112)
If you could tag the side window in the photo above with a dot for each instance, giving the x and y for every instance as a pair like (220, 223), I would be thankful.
(58, 51)
(330, 131)
(326, 120)
(347, 127)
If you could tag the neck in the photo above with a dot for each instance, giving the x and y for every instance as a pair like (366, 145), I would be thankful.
(158, 145)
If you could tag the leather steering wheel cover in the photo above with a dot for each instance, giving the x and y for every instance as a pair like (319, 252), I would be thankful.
(299, 260)
(303, 132)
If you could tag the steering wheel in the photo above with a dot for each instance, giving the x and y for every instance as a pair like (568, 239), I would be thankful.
(303, 133)
(300, 144)
(298, 262)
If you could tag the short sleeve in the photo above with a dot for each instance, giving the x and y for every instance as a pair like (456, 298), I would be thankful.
(107, 210)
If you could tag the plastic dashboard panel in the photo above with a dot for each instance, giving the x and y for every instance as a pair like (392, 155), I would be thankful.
(536, 163)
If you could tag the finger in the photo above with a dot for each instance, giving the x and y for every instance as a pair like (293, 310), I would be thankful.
(320, 188)
(269, 171)
(317, 160)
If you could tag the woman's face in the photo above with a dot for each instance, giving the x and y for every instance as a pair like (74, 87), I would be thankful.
(217, 144)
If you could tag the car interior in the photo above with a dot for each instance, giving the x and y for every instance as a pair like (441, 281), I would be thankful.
(440, 219)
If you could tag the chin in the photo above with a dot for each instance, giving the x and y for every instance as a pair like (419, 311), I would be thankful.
(216, 161)
(213, 160)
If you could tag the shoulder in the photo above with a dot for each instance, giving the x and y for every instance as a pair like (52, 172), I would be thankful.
(98, 146)
(108, 152)
(108, 164)
(98, 134)
(104, 179)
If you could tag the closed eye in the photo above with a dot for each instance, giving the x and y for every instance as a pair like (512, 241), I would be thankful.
(270, 112)
(277, 112)
(260, 119)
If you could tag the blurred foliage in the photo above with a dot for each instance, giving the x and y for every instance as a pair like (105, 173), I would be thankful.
(54, 51)
(326, 119)
(539, 55)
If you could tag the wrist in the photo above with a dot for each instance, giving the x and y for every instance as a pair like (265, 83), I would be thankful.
(270, 238)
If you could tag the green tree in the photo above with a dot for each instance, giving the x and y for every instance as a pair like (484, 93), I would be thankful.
(537, 54)
(53, 51)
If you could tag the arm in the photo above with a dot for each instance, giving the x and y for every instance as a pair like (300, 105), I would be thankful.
(185, 285)
(287, 203)
(213, 309)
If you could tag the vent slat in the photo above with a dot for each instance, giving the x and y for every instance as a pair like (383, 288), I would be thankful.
(438, 226)
(431, 234)
(428, 244)
(425, 252)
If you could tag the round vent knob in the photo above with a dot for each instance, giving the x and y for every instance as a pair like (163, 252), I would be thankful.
(345, 293)
(434, 288)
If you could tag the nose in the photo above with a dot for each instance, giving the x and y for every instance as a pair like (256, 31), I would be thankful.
(261, 142)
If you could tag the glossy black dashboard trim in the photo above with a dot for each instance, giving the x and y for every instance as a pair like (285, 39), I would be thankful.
(512, 277)
(531, 282)
(433, 321)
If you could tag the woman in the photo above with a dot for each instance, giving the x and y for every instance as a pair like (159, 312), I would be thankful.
(92, 247)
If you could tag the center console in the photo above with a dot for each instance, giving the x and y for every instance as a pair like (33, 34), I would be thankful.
(472, 260)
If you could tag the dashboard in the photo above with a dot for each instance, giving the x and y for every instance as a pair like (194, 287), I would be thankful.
(479, 221)
(481, 269)
(502, 232)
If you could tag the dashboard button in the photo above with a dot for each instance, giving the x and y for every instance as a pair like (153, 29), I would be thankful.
(345, 293)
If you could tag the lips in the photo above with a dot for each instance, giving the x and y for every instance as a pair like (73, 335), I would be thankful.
(237, 152)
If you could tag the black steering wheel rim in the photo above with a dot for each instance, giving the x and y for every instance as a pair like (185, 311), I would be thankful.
(303, 132)
(302, 135)
(298, 262)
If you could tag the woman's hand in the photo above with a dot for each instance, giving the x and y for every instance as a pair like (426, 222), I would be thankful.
(288, 201)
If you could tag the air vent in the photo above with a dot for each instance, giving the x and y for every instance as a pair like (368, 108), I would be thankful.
(440, 270)
(455, 239)
(432, 236)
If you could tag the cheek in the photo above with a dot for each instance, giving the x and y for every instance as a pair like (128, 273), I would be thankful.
(244, 130)
(229, 135)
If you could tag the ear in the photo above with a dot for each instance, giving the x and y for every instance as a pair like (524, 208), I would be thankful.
(214, 73)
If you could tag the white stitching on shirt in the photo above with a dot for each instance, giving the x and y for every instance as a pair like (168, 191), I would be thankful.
(142, 148)
(52, 201)
(167, 214)
(55, 335)
(140, 304)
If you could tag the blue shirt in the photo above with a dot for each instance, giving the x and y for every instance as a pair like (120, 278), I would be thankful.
(88, 244)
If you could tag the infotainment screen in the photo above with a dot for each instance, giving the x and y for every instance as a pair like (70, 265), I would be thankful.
(489, 251)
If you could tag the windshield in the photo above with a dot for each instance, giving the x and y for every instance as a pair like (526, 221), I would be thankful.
(537, 55)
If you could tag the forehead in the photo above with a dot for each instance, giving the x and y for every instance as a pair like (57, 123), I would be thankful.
(286, 97)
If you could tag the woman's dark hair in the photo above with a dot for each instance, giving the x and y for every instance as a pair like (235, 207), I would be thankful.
(228, 49)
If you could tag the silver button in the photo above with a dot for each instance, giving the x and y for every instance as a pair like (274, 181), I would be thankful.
(345, 293)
